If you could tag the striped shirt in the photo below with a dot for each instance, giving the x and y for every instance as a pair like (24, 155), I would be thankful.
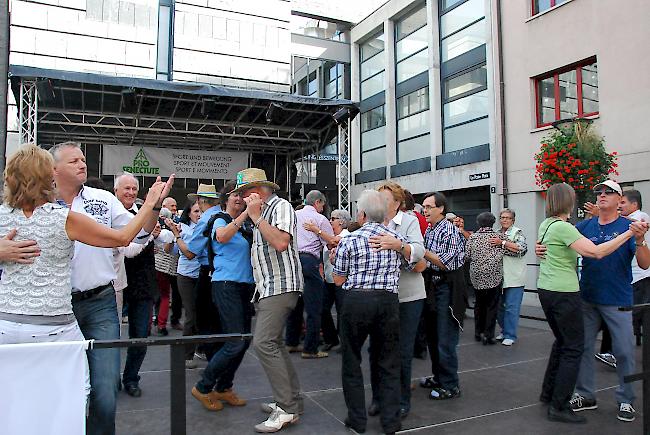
(446, 241)
(367, 268)
(276, 272)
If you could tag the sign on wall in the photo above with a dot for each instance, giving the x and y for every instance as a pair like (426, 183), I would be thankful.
(152, 162)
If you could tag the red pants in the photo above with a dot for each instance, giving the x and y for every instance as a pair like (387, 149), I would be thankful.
(165, 288)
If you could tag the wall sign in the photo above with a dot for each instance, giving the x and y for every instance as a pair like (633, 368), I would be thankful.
(480, 176)
(152, 162)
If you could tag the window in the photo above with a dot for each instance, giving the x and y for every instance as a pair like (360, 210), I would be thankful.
(333, 79)
(413, 126)
(373, 141)
(411, 42)
(465, 110)
(462, 29)
(568, 93)
(543, 5)
(372, 66)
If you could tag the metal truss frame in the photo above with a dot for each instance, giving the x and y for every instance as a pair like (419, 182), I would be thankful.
(344, 165)
(28, 112)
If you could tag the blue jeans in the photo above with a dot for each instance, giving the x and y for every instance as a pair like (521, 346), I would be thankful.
(509, 309)
(97, 318)
(312, 299)
(409, 320)
(620, 328)
(233, 303)
(139, 321)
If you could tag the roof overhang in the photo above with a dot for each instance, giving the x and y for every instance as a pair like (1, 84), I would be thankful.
(103, 109)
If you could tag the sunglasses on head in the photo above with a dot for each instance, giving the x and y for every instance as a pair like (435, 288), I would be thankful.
(599, 192)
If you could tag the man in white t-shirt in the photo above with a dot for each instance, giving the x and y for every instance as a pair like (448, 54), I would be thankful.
(631, 208)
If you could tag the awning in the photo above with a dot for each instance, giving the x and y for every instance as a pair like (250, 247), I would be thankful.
(103, 109)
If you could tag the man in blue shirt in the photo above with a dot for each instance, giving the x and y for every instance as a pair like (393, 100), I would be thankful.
(605, 285)
(207, 317)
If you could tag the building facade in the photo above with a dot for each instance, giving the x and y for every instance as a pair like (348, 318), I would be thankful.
(563, 59)
(423, 73)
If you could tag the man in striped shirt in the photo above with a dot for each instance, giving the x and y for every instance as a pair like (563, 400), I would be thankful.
(279, 282)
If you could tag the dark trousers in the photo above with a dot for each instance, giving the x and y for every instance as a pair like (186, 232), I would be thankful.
(312, 298)
(564, 315)
(332, 295)
(177, 302)
(374, 314)
(486, 308)
(187, 290)
(207, 316)
(443, 333)
(409, 319)
(235, 309)
(139, 327)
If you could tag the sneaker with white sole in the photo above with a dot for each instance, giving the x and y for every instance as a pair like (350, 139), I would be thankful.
(276, 421)
(269, 407)
(606, 358)
(581, 403)
(507, 342)
(499, 337)
(626, 412)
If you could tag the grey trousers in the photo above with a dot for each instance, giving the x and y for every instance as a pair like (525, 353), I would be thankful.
(272, 313)
(187, 290)
(620, 327)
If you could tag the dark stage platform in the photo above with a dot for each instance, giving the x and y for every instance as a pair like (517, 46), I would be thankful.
(500, 387)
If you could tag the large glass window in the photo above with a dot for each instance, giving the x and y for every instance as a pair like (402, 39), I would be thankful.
(372, 66)
(465, 110)
(462, 29)
(411, 43)
(568, 93)
(413, 127)
(542, 5)
(333, 79)
(373, 140)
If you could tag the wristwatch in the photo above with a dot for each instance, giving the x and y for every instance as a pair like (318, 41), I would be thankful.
(503, 244)
(644, 243)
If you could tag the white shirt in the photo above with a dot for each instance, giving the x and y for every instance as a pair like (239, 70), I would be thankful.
(411, 284)
(91, 266)
(637, 273)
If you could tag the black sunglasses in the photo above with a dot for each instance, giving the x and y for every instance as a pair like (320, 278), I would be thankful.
(599, 192)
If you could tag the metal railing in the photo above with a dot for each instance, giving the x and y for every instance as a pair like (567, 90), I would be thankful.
(177, 411)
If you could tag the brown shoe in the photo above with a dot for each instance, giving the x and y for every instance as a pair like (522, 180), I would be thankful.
(319, 354)
(230, 397)
(209, 401)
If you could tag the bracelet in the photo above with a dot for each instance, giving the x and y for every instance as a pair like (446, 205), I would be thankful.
(503, 244)
(320, 232)
(236, 224)
(177, 237)
(257, 222)
(157, 208)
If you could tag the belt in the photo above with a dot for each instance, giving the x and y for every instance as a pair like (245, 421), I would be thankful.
(82, 296)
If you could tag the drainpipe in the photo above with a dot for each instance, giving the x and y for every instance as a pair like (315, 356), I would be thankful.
(4, 77)
(504, 158)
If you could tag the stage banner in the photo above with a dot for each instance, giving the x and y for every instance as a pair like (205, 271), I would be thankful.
(152, 162)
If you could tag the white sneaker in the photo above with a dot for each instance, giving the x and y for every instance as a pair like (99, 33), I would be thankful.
(507, 342)
(499, 337)
(276, 421)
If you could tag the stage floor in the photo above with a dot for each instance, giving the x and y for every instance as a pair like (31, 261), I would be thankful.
(500, 389)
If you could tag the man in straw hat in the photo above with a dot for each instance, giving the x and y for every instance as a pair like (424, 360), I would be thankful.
(279, 282)
(207, 317)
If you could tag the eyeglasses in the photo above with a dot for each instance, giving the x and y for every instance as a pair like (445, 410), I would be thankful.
(332, 219)
(599, 192)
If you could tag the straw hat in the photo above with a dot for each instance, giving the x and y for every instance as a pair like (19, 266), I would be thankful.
(204, 190)
(253, 177)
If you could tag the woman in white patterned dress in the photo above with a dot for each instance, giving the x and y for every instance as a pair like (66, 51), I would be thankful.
(35, 299)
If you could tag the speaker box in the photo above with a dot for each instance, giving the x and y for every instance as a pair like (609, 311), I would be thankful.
(326, 175)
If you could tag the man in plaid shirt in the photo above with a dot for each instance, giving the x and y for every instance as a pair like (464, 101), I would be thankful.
(367, 265)
(445, 254)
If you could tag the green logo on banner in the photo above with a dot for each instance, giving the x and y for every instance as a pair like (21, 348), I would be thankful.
(141, 165)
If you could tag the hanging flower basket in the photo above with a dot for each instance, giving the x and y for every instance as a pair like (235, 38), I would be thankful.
(574, 154)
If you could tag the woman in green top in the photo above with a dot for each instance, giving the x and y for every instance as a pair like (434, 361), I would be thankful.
(558, 293)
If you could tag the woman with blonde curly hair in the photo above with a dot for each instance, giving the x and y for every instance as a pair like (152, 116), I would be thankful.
(35, 298)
